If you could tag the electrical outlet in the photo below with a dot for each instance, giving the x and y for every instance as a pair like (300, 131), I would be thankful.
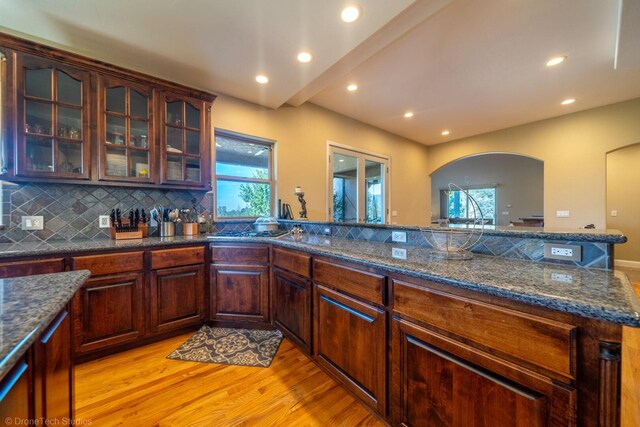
(562, 277)
(562, 214)
(327, 231)
(563, 252)
(505, 212)
(398, 236)
(399, 253)
(104, 221)
(32, 222)
(394, 213)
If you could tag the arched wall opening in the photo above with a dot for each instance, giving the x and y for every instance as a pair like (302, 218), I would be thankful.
(623, 201)
(514, 181)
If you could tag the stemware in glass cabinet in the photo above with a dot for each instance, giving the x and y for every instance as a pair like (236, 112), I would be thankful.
(127, 139)
(53, 140)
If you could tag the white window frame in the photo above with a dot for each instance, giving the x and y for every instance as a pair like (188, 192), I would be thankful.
(250, 139)
(362, 156)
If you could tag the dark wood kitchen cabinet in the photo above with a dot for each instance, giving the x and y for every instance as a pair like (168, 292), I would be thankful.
(109, 308)
(31, 267)
(184, 141)
(126, 132)
(53, 372)
(177, 288)
(53, 138)
(16, 391)
(447, 370)
(350, 332)
(40, 385)
(75, 119)
(239, 283)
(291, 296)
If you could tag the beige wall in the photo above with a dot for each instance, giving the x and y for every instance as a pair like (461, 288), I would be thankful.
(518, 181)
(623, 195)
(573, 148)
(301, 153)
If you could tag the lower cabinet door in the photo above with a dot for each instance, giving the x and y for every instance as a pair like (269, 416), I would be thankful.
(108, 310)
(15, 399)
(53, 373)
(436, 381)
(240, 293)
(292, 307)
(350, 342)
(177, 297)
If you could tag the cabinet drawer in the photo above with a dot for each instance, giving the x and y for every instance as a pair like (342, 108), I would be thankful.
(355, 282)
(292, 261)
(29, 268)
(542, 342)
(238, 254)
(177, 257)
(111, 263)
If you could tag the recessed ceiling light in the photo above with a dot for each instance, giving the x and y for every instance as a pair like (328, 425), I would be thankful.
(262, 79)
(445, 133)
(408, 114)
(556, 60)
(568, 101)
(305, 57)
(352, 87)
(350, 13)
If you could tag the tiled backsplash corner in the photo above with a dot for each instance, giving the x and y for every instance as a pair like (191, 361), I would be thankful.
(71, 211)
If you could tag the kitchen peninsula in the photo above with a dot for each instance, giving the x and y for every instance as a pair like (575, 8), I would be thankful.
(36, 371)
(542, 339)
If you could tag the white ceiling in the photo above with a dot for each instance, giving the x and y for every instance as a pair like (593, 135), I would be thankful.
(465, 65)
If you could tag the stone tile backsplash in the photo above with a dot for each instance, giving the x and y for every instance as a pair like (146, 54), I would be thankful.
(71, 211)
(594, 254)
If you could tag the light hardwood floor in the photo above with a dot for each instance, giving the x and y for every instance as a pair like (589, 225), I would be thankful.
(141, 387)
(631, 364)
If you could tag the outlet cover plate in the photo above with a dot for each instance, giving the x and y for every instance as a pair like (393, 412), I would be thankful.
(399, 236)
(563, 252)
(32, 222)
(103, 221)
(399, 253)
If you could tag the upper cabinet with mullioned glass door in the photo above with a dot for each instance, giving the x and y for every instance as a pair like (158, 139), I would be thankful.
(53, 138)
(126, 132)
(184, 144)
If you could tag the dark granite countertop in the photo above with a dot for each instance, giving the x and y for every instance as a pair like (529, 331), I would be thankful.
(29, 305)
(594, 293)
(546, 233)
(15, 250)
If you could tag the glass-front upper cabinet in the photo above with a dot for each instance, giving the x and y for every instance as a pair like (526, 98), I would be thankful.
(53, 137)
(127, 143)
(185, 152)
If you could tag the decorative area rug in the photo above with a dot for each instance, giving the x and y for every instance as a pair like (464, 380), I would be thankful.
(244, 347)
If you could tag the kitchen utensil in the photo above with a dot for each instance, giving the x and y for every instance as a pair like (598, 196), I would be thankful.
(167, 229)
(190, 228)
(265, 223)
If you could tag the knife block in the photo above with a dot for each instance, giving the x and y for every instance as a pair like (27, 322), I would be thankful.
(143, 231)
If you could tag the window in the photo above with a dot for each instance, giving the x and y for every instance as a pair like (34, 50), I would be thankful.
(358, 183)
(458, 207)
(243, 176)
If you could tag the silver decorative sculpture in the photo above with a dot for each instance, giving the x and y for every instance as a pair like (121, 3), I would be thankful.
(454, 242)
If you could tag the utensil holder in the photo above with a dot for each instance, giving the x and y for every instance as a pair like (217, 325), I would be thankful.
(189, 228)
(167, 229)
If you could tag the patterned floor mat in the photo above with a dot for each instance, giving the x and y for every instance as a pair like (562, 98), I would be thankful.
(244, 347)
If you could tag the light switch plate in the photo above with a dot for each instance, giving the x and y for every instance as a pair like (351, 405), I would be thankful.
(32, 222)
